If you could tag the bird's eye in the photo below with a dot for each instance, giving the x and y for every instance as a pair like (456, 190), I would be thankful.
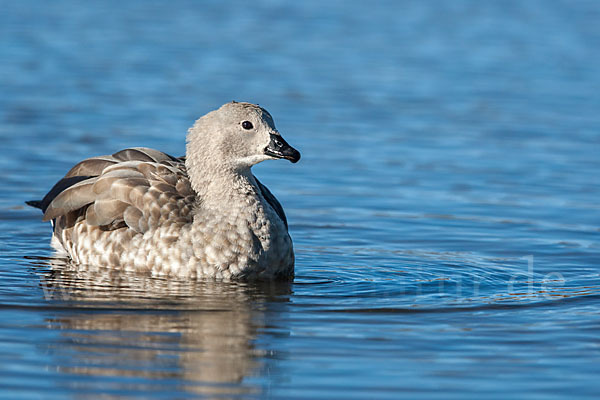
(247, 125)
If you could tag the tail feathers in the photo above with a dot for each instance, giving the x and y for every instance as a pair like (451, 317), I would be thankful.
(35, 203)
(40, 204)
(57, 189)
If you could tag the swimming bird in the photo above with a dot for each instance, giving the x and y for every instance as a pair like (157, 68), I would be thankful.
(204, 215)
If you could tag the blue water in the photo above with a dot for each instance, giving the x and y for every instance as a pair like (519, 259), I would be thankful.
(445, 212)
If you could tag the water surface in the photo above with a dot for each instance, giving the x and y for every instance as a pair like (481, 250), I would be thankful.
(445, 213)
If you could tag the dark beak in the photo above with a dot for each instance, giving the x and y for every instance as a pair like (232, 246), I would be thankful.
(280, 149)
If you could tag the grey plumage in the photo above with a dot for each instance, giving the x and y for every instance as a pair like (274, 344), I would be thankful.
(144, 209)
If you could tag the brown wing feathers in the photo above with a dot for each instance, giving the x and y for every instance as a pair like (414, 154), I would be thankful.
(71, 199)
(140, 187)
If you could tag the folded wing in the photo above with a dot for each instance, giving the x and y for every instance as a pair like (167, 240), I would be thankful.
(139, 188)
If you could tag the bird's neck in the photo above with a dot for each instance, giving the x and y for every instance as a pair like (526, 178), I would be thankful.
(222, 187)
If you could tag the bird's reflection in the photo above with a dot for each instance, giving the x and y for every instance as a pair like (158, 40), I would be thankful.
(196, 336)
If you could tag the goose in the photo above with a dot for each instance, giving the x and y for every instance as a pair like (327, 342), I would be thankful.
(204, 215)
